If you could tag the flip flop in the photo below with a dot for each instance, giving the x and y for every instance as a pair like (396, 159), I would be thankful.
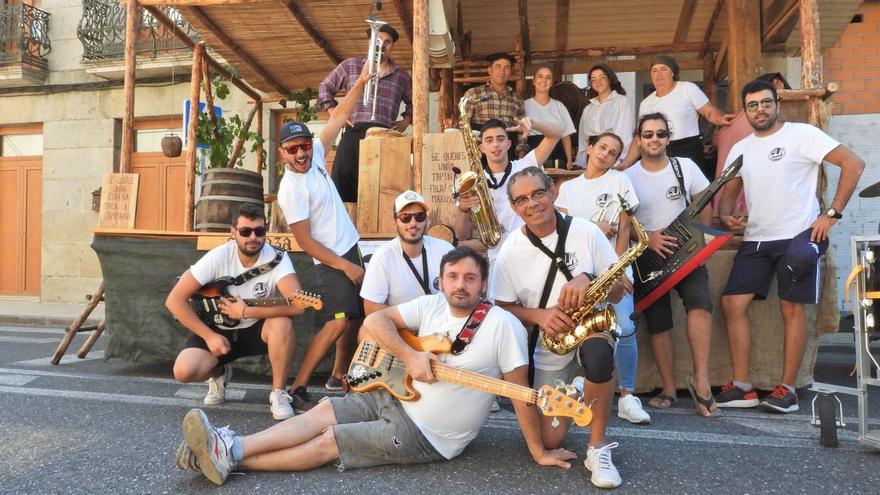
(661, 401)
(699, 401)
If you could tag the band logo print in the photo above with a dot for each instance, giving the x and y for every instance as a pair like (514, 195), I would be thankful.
(673, 193)
(260, 289)
(776, 154)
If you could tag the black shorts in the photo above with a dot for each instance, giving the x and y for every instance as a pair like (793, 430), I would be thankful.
(340, 296)
(243, 342)
(694, 293)
(797, 276)
(345, 163)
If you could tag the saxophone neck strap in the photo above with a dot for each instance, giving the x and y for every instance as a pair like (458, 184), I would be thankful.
(490, 176)
(423, 281)
(563, 223)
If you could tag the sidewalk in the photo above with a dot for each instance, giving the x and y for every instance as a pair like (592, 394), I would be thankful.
(32, 313)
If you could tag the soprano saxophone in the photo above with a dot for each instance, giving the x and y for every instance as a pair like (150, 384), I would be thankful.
(588, 320)
(483, 215)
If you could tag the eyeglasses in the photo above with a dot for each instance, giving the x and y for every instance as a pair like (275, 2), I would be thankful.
(537, 195)
(661, 134)
(766, 103)
(598, 78)
(293, 148)
(406, 217)
(247, 231)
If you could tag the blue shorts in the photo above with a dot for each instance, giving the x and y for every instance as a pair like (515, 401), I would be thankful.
(795, 262)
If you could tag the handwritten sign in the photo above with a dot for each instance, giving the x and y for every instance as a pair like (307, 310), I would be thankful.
(442, 151)
(118, 201)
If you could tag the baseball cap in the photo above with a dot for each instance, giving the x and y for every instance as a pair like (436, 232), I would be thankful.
(407, 198)
(293, 129)
(802, 255)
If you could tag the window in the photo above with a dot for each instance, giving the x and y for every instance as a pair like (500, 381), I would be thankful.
(21, 145)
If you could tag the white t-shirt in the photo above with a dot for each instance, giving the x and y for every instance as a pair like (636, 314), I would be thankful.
(679, 106)
(521, 269)
(779, 176)
(554, 112)
(223, 261)
(389, 280)
(615, 114)
(449, 415)
(313, 196)
(582, 197)
(659, 193)
(506, 216)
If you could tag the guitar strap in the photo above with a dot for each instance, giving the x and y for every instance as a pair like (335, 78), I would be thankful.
(676, 169)
(557, 258)
(258, 270)
(470, 327)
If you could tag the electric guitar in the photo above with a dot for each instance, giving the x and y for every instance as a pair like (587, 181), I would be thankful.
(206, 302)
(373, 368)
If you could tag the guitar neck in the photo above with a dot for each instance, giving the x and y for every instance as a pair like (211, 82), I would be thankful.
(268, 301)
(492, 385)
(697, 206)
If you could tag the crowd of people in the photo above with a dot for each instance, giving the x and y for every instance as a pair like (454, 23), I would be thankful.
(556, 242)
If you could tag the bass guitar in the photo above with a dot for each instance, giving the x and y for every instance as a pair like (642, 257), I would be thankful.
(206, 302)
(374, 367)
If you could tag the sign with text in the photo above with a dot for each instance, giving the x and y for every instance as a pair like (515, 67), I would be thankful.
(441, 152)
(118, 201)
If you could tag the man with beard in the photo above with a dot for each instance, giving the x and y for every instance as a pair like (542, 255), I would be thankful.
(407, 266)
(323, 229)
(523, 286)
(665, 186)
(785, 236)
(373, 428)
(261, 330)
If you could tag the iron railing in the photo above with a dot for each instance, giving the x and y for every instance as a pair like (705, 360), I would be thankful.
(24, 35)
(102, 31)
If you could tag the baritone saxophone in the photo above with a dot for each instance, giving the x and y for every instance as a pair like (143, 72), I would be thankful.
(483, 216)
(588, 320)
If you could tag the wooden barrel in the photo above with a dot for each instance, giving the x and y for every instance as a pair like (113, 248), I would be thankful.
(223, 190)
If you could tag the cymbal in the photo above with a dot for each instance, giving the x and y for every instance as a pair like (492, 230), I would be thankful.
(870, 191)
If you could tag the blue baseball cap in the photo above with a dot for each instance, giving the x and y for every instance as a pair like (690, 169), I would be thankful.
(803, 254)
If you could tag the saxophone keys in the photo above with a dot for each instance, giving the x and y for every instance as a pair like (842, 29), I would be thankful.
(569, 340)
(580, 331)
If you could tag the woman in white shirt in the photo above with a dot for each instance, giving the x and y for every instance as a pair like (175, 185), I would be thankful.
(542, 108)
(608, 111)
(683, 103)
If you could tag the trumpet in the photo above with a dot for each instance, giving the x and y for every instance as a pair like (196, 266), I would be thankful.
(374, 62)
(603, 214)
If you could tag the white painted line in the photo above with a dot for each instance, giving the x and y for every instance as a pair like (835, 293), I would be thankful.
(27, 340)
(16, 379)
(197, 392)
(66, 359)
(52, 331)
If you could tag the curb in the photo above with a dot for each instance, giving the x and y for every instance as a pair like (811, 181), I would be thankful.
(42, 321)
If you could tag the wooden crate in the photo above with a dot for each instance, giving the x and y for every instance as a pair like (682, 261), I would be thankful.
(385, 171)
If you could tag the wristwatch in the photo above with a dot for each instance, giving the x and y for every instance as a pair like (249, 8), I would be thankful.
(833, 213)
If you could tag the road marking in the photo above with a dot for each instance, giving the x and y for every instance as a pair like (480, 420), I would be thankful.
(198, 392)
(27, 340)
(52, 331)
(16, 379)
(66, 359)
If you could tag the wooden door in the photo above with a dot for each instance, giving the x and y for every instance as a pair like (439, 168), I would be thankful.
(162, 185)
(21, 209)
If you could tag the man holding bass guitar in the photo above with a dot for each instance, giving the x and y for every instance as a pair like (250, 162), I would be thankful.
(375, 428)
(260, 272)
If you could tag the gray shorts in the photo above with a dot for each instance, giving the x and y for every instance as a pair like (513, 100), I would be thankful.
(549, 377)
(373, 430)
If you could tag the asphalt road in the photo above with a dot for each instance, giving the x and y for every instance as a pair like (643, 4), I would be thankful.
(94, 426)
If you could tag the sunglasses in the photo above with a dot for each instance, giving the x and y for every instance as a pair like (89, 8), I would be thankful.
(293, 148)
(247, 231)
(766, 104)
(406, 217)
(536, 195)
(661, 134)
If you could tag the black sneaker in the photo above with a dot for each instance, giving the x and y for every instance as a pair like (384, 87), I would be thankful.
(781, 400)
(300, 400)
(333, 384)
(733, 396)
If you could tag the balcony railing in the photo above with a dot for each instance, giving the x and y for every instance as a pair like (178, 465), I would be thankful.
(24, 35)
(102, 31)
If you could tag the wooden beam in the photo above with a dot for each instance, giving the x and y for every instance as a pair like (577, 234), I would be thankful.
(811, 63)
(239, 140)
(192, 135)
(293, 7)
(446, 101)
(720, 57)
(524, 29)
(405, 20)
(684, 21)
(179, 34)
(710, 28)
(743, 48)
(420, 65)
(245, 57)
(561, 35)
(131, 19)
(209, 101)
(260, 151)
(780, 22)
(199, 3)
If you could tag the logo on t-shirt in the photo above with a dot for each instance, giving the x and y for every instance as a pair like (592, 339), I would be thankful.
(570, 260)
(436, 283)
(776, 154)
(673, 193)
(260, 289)
(602, 200)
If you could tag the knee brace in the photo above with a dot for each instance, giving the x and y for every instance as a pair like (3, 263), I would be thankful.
(597, 357)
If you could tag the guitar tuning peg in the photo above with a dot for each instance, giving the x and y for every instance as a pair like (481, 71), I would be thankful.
(555, 422)
(571, 391)
(558, 384)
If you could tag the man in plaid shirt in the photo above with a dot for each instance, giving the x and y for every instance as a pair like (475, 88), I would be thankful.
(495, 99)
(395, 86)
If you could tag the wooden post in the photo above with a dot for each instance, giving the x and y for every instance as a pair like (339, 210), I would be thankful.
(239, 141)
(811, 68)
(743, 48)
(191, 132)
(259, 106)
(420, 87)
(209, 99)
(709, 78)
(446, 102)
(74, 327)
(132, 15)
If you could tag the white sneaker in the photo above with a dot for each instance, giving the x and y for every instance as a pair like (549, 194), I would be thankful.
(217, 387)
(495, 407)
(599, 463)
(279, 404)
(211, 446)
(630, 408)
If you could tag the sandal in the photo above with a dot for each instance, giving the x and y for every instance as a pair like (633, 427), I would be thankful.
(661, 401)
(707, 404)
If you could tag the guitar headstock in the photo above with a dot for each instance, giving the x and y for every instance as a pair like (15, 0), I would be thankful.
(731, 170)
(305, 299)
(556, 402)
